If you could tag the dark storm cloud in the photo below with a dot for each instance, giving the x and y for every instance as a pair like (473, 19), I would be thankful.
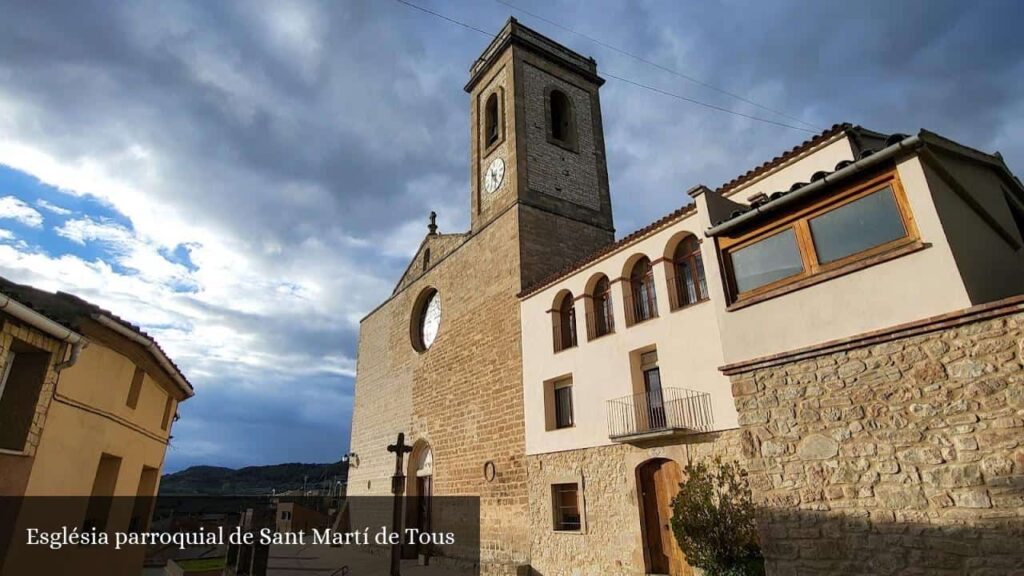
(315, 137)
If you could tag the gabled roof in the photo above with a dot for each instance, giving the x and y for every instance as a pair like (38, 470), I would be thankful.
(440, 245)
(69, 311)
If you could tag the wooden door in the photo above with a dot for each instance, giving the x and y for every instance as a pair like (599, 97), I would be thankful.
(659, 482)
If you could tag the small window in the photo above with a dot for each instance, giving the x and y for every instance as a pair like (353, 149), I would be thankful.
(690, 285)
(492, 126)
(565, 323)
(766, 261)
(859, 226)
(168, 409)
(566, 507)
(136, 387)
(426, 259)
(602, 318)
(563, 404)
(561, 119)
(643, 300)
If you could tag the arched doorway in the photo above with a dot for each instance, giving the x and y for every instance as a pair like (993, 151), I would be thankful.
(657, 482)
(419, 489)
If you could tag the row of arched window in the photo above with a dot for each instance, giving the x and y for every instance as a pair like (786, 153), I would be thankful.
(686, 282)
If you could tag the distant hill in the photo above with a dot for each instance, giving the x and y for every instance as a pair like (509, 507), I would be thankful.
(251, 480)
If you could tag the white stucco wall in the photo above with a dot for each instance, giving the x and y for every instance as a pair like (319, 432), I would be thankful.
(687, 340)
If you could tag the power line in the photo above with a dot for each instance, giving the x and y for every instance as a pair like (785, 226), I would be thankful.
(620, 78)
(656, 65)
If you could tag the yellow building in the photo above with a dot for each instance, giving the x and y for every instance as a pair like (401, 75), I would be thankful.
(87, 402)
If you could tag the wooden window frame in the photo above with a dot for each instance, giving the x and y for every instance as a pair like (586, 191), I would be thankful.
(596, 302)
(799, 222)
(555, 387)
(556, 507)
(564, 326)
(633, 285)
(676, 281)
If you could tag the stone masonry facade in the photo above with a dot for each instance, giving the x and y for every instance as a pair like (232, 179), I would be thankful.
(897, 452)
(566, 174)
(610, 542)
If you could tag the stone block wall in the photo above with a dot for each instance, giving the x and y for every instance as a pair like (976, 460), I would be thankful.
(895, 452)
(611, 542)
(16, 467)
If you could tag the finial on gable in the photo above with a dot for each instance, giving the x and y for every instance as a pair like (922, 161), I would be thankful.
(432, 227)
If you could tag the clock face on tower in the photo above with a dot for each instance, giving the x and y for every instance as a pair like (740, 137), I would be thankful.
(495, 174)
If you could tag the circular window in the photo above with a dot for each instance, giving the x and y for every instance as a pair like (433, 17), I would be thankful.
(426, 319)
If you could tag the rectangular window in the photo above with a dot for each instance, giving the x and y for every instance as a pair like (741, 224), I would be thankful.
(145, 495)
(23, 374)
(563, 404)
(857, 226)
(102, 495)
(136, 387)
(168, 409)
(838, 232)
(566, 507)
(766, 261)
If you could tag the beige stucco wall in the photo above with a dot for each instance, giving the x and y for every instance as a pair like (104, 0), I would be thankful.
(800, 169)
(687, 341)
(985, 240)
(915, 286)
(89, 417)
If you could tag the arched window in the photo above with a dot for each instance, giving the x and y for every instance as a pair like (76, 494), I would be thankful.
(601, 320)
(561, 120)
(564, 323)
(690, 285)
(491, 125)
(644, 305)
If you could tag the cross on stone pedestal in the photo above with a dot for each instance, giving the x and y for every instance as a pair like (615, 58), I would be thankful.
(398, 488)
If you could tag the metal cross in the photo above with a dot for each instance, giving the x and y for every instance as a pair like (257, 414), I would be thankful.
(398, 488)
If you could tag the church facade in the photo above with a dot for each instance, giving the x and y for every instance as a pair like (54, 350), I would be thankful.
(440, 360)
(845, 321)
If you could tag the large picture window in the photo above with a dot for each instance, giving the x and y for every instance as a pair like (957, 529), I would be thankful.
(854, 227)
(857, 226)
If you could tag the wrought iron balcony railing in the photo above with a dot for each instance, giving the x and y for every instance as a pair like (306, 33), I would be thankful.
(663, 411)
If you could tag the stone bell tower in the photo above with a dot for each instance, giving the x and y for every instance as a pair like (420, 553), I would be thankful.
(537, 144)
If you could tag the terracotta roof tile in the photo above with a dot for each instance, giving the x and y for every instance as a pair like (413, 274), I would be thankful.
(69, 310)
(784, 157)
(624, 241)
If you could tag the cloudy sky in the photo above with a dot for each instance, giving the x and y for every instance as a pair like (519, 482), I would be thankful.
(246, 180)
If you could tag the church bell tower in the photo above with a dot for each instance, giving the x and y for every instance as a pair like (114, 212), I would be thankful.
(537, 147)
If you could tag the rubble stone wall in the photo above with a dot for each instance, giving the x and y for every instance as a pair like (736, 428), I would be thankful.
(897, 452)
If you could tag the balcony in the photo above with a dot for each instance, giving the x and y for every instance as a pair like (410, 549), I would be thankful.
(659, 413)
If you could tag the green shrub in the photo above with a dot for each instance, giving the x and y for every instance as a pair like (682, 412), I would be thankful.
(713, 520)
